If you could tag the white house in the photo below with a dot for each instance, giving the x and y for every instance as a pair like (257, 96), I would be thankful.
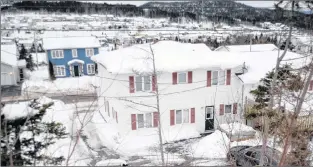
(197, 87)
(247, 48)
(11, 68)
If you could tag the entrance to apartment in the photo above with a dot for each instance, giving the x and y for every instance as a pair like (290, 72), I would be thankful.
(76, 71)
(209, 118)
(21, 75)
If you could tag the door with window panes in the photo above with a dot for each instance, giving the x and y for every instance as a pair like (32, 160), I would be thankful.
(209, 118)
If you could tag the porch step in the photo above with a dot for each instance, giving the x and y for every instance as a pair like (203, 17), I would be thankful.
(207, 132)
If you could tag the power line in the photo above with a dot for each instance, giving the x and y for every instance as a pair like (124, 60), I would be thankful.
(158, 30)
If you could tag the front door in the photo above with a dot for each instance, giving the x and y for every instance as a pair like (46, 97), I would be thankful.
(21, 75)
(209, 118)
(76, 71)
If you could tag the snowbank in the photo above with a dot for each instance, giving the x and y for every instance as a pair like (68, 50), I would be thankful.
(39, 74)
(111, 162)
(139, 142)
(237, 130)
(17, 110)
(214, 145)
(76, 85)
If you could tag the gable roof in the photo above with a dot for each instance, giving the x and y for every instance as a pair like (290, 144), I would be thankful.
(246, 48)
(171, 56)
(70, 43)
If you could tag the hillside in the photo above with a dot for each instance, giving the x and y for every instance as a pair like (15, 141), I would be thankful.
(225, 10)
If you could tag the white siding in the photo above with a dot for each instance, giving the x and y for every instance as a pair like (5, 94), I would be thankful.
(197, 98)
(8, 74)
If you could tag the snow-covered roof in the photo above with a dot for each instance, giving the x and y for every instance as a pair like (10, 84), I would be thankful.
(75, 61)
(171, 56)
(246, 48)
(9, 54)
(70, 42)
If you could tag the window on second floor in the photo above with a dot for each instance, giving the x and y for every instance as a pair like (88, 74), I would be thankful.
(89, 52)
(143, 83)
(215, 78)
(74, 53)
(57, 54)
(182, 77)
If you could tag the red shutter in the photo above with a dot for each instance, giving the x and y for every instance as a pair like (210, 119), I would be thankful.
(153, 82)
(228, 76)
(174, 78)
(133, 121)
(116, 117)
(172, 116)
(311, 85)
(189, 76)
(235, 108)
(155, 119)
(221, 109)
(209, 78)
(131, 84)
(193, 114)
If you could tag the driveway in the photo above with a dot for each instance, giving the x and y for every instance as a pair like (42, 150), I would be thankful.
(9, 91)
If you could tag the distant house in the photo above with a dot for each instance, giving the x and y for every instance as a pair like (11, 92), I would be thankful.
(247, 48)
(70, 56)
(12, 69)
(197, 87)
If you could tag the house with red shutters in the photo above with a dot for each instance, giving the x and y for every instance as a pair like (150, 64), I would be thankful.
(197, 87)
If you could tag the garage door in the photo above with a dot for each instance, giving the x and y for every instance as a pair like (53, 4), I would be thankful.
(7, 79)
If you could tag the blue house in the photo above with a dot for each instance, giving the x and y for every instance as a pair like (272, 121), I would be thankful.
(70, 56)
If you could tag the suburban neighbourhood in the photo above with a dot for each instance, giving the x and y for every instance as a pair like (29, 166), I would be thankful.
(100, 84)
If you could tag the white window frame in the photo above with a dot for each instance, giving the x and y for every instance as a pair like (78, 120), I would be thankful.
(55, 70)
(178, 77)
(143, 84)
(182, 121)
(57, 54)
(74, 53)
(231, 108)
(144, 120)
(88, 51)
(94, 69)
(213, 78)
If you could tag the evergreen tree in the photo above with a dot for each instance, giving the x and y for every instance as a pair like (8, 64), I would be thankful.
(37, 136)
(51, 71)
(33, 49)
(29, 62)
(23, 52)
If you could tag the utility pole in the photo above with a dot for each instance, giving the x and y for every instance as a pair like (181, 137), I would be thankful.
(35, 44)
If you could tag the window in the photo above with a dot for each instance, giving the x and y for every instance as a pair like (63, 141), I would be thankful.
(107, 107)
(144, 120)
(89, 52)
(222, 78)
(215, 78)
(209, 112)
(182, 77)
(90, 69)
(143, 83)
(140, 121)
(148, 120)
(74, 52)
(179, 116)
(59, 70)
(186, 116)
(57, 54)
(227, 108)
